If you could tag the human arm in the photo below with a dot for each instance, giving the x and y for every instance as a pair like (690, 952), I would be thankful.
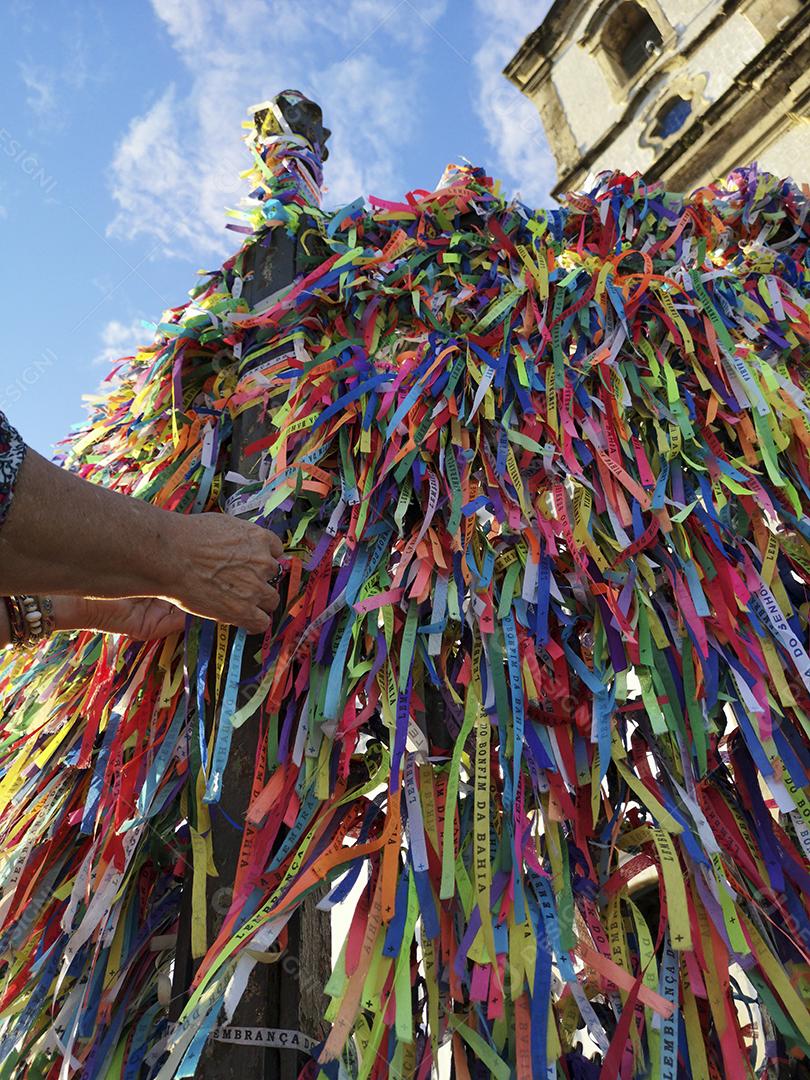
(66, 536)
(141, 618)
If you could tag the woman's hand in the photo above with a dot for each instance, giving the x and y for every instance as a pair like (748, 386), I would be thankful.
(221, 568)
(142, 618)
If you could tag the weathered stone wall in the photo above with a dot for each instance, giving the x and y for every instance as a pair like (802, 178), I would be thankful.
(789, 154)
(596, 118)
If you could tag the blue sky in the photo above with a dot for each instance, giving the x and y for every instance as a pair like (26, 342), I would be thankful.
(120, 150)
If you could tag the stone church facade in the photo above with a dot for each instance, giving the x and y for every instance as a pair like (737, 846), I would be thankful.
(680, 90)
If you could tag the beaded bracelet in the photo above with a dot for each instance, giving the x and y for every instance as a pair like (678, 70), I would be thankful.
(30, 618)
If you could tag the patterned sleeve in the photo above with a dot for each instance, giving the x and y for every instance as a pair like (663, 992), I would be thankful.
(12, 452)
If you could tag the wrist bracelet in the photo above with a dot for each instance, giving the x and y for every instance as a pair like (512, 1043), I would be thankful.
(30, 618)
(16, 621)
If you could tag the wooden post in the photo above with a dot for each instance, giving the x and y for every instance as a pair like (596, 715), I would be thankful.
(287, 994)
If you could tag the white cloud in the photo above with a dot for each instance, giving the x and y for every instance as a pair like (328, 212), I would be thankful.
(159, 181)
(510, 120)
(120, 339)
(372, 124)
(49, 88)
(176, 169)
(41, 89)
